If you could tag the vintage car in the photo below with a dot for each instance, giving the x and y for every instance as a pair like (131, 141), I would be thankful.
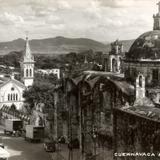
(49, 145)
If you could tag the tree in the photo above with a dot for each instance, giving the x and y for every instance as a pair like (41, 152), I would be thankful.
(40, 93)
(47, 78)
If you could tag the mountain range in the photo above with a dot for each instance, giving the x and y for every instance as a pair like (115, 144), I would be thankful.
(58, 45)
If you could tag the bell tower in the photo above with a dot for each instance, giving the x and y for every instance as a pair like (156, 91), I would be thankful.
(115, 57)
(156, 18)
(27, 66)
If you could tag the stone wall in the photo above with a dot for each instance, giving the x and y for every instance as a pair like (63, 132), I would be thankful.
(134, 133)
(132, 69)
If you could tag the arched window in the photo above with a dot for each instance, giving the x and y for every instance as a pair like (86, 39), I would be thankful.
(30, 72)
(140, 81)
(120, 64)
(114, 65)
(16, 96)
(26, 72)
(8, 97)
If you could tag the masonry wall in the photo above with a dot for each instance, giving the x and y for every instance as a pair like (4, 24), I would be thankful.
(133, 134)
(146, 68)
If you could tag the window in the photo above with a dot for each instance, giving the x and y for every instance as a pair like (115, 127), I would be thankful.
(9, 97)
(13, 97)
(134, 72)
(16, 96)
(155, 74)
(30, 72)
(26, 72)
(140, 81)
(114, 65)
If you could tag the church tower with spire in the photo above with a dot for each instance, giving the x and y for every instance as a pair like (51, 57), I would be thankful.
(27, 66)
(156, 18)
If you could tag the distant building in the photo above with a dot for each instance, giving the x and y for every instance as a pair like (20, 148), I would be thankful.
(49, 71)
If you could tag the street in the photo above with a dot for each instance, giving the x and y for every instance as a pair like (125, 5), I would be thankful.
(20, 149)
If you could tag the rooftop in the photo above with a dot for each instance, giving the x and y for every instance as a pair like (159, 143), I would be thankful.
(147, 112)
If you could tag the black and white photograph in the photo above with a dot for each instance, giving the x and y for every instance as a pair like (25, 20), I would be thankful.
(79, 80)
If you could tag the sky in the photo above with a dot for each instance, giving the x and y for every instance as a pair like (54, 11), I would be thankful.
(101, 20)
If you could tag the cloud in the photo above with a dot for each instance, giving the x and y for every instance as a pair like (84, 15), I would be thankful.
(102, 20)
(58, 26)
(94, 9)
(63, 5)
(10, 19)
(124, 3)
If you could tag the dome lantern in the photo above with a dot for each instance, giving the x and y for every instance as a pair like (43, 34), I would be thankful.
(157, 19)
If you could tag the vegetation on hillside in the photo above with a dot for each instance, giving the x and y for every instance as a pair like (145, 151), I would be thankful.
(56, 45)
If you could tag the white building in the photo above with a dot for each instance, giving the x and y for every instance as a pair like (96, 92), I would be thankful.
(11, 90)
(54, 71)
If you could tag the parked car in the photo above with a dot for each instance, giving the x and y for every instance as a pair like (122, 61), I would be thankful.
(49, 146)
(61, 140)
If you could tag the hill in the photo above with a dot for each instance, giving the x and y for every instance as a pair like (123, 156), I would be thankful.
(58, 45)
(127, 44)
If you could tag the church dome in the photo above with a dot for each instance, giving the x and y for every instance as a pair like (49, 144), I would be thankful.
(145, 47)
